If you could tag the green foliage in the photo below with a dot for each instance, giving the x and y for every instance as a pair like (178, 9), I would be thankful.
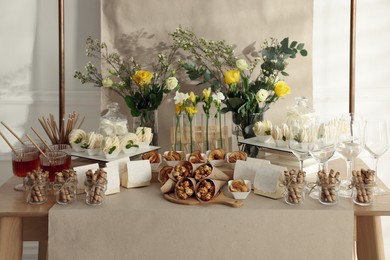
(120, 74)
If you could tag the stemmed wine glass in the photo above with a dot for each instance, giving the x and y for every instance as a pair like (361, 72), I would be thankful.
(300, 139)
(323, 143)
(324, 137)
(349, 146)
(376, 142)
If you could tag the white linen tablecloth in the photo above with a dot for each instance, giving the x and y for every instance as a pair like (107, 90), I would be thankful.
(141, 224)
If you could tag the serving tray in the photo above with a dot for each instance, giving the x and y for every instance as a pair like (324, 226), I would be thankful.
(219, 199)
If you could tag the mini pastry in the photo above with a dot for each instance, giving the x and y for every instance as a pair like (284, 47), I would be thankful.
(238, 155)
(172, 156)
(216, 154)
(144, 134)
(111, 145)
(152, 156)
(164, 173)
(76, 138)
(238, 185)
(196, 157)
(129, 140)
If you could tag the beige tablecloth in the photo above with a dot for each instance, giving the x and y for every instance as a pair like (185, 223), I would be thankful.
(140, 224)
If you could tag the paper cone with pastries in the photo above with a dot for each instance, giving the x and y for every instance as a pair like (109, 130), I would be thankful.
(205, 194)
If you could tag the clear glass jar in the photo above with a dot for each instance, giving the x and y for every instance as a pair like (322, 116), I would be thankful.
(95, 193)
(300, 111)
(363, 194)
(329, 193)
(294, 193)
(65, 188)
(113, 122)
(37, 193)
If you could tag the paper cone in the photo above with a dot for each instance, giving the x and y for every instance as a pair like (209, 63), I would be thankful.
(187, 165)
(216, 174)
(192, 180)
(218, 184)
(168, 186)
(163, 174)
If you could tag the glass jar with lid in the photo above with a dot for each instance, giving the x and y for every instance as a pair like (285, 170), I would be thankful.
(301, 111)
(113, 122)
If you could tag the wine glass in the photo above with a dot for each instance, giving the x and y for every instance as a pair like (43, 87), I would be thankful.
(24, 159)
(323, 144)
(376, 142)
(300, 139)
(349, 146)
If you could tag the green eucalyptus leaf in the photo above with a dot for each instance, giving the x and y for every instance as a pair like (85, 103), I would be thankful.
(284, 43)
(293, 44)
(284, 73)
(303, 52)
(300, 46)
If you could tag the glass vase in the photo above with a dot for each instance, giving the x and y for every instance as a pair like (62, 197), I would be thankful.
(243, 128)
(147, 118)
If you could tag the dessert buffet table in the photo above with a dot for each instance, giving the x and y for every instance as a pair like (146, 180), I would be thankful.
(140, 224)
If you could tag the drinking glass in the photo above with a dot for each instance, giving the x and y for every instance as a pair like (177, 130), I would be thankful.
(24, 159)
(349, 146)
(28, 143)
(323, 144)
(324, 137)
(376, 142)
(64, 148)
(300, 139)
(54, 161)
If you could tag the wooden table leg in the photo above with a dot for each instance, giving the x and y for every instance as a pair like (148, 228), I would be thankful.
(11, 244)
(369, 240)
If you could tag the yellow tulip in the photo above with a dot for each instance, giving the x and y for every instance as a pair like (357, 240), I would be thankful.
(232, 76)
(143, 77)
(281, 89)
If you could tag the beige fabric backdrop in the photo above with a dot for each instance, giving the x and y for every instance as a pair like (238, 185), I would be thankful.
(140, 28)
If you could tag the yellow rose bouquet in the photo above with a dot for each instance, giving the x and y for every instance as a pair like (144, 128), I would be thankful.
(143, 90)
(247, 95)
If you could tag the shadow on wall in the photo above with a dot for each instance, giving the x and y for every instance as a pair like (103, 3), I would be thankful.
(16, 68)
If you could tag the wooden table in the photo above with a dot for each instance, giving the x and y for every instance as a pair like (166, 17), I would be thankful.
(369, 239)
(20, 222)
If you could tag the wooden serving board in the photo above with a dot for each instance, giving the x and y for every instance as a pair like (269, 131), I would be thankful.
(219, 199)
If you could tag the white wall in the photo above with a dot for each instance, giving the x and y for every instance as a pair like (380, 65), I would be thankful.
(331, 67)
(29, 64)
